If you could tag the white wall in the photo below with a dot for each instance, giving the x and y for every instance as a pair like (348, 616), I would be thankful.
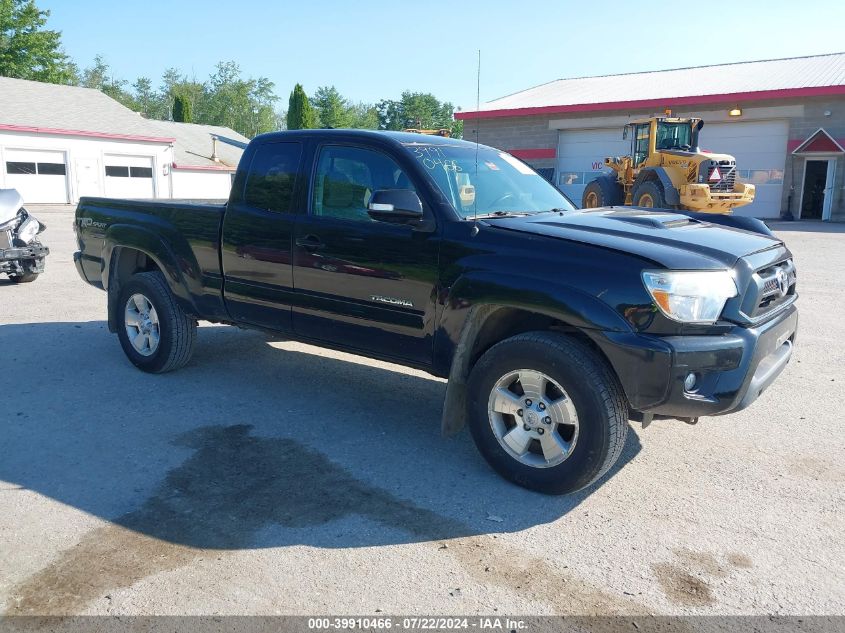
(85, 159)
(201, 184)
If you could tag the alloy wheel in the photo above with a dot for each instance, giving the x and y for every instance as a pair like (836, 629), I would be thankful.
(142, 325)
(533, 418)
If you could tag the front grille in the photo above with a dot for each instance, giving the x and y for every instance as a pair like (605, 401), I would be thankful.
(778, 286)
(770, 288)
(727, 169)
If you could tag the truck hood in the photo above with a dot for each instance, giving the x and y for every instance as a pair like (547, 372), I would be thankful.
(10, 203)
(672, 240)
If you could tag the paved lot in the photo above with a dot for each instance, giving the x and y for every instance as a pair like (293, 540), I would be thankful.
(215, 490)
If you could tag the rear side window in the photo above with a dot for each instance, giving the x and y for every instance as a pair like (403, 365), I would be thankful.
(272, 177)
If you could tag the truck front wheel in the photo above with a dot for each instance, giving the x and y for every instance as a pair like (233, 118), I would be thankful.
(154, 331)
(546, 412)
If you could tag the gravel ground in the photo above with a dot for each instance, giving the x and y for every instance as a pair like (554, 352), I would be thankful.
(217, 490)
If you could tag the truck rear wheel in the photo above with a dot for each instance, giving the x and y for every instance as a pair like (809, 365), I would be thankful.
(601, 192)
(649, 195)
(546, 412)
(154, 331)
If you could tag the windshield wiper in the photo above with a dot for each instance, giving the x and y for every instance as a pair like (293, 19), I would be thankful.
(501, 214)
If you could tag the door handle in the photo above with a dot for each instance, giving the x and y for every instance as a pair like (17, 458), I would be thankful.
(310, 243)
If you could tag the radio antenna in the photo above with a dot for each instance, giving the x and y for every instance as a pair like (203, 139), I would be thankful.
(477, 117)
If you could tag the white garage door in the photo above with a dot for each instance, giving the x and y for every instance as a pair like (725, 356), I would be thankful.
(758, 146)
(581, 156)
(129, 176)
(39, 176)
(760, 151)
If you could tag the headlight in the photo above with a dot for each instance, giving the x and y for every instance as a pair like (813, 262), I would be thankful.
(690, 296)
(28, 230)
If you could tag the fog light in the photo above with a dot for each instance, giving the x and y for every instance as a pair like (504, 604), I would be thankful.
(690, 382)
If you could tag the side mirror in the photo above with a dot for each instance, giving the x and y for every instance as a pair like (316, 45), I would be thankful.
(396, 206)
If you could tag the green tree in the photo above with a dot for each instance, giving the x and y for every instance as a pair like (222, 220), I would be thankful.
(281, 119)
(364, 116)
(245, 105)
(27, 49)
(417, 110)
(147, 99)
(174, 83)
(99, 77)
(300, 114)
(332, 110)
(182, 109)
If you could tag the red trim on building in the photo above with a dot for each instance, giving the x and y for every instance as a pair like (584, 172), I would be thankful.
(794, 144)
(533, 153)
(60, 132)
(818, 142)
(204, 167)
(729, 98)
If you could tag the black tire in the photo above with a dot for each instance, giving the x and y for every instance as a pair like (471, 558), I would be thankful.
(177, 331)
(605, 191)
(595, 393)
(26, 278)
(650, 189)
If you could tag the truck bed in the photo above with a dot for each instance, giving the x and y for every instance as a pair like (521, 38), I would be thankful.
(182, 236)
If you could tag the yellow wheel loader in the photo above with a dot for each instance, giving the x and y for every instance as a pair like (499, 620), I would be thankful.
(439, 132)
(667, 170)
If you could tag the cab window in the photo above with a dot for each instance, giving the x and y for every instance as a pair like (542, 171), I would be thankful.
(346, 179)
(641, 143)
(674, 136)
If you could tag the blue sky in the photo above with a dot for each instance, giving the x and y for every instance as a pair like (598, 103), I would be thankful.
(375, 49)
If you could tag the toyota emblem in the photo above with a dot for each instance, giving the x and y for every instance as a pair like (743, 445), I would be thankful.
(783, 282)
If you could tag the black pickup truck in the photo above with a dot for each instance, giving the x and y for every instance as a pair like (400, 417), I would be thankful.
(554, 326)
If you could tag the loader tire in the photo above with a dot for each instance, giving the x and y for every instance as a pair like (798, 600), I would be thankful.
(649, 195)
(602, 192)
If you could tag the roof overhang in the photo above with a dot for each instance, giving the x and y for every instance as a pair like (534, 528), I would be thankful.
(732, 97)
(26, 129)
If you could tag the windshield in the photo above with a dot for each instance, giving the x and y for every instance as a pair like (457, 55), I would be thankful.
(674, 136)
(501, 184)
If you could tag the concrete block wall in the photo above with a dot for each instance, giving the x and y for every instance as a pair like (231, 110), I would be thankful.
(511, 133)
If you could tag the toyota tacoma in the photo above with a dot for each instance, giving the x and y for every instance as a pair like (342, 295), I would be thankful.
(554, 326)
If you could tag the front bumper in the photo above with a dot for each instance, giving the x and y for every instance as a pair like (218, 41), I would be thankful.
(699, 197)
(732, 369)
(36, 251)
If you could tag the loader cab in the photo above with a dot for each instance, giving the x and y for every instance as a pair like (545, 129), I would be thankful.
(678, 134)
(661, 134)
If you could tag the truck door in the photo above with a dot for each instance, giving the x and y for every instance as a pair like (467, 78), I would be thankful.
(360, 283)
(258, 235)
